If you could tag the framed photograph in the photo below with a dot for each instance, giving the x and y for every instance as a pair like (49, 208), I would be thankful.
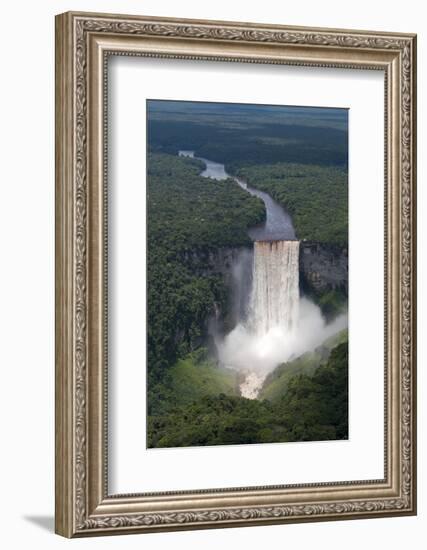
(235, 274)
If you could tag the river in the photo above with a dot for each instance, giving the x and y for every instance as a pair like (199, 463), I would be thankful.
(278, 224)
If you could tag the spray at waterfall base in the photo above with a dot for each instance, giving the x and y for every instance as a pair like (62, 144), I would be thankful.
(279, 324)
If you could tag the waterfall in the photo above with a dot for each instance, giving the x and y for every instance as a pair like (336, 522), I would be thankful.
(277, 325)
(275, 286)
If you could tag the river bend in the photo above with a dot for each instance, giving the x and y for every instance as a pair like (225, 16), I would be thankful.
(278, 224)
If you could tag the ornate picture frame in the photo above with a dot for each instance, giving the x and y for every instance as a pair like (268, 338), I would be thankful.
(84, 42)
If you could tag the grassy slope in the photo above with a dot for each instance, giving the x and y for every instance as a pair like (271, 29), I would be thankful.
(192, 380)
(188, 384)
(276, 383)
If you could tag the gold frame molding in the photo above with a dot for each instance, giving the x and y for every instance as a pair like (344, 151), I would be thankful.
(83, 43)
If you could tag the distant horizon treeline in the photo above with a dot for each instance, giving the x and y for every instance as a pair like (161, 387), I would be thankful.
(259, 144)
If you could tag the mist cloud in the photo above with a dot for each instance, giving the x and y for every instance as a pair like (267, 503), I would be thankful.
(244, 350)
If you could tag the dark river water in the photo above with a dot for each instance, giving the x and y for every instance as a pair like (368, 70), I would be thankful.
(278, 224)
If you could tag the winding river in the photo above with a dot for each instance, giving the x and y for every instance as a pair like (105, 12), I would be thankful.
(278, 223)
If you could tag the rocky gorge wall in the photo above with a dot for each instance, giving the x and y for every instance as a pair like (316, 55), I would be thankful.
(235, 266)
(323, 275)
(323, 267)
(219, 260)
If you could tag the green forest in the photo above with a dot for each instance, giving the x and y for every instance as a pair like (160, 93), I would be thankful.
(187, 213)
(301, 161)
(315, 196)
(210, 411)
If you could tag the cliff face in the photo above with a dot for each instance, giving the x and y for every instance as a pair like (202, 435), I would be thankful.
(235, 267)
(323, 267)
(210, 261)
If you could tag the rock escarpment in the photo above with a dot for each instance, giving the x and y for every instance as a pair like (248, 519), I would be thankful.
(323, 267)
(323, 276)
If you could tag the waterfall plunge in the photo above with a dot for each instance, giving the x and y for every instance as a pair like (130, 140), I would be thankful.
(275, 286)
(262, 342)
(279, 325)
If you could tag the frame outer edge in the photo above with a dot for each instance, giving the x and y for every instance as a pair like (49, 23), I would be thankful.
(151, 19)
(72, 517)
(413, 160)
(64, 237)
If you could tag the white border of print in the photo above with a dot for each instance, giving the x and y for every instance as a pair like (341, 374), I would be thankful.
(131, 82)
